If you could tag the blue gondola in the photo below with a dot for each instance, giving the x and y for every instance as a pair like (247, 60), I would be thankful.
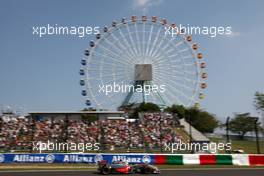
(86, 52)
(123, 20)
(92, 44)
(83, 62)
(88, 102)
(81, 72)
(82, 82)
(98, 36)
(105, 29)
(84, 93)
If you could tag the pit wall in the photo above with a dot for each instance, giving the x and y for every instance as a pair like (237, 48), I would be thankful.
(136, 158)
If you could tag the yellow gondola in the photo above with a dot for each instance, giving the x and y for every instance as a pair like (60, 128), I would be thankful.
(201, 96)
(144, 18)
(189, 38)
(203, 65)
(204, 75)
(199, 55)
(163, 21)
(203, 85)
(154, 19)
(195, 46)
(134, 18)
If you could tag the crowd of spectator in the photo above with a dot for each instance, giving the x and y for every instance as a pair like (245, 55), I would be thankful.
(158, 129)
(45, 130)
(81, 132)
(14, 132)
(151, 131)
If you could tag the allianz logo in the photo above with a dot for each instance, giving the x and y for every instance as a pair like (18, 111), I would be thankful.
(28, 158)
(31, 158)
(77, 159)
(144, 159)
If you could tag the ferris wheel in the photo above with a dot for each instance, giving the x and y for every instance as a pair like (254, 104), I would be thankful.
(137, 53)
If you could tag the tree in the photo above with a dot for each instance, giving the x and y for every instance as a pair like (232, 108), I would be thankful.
(259, 101)
(176, 109)
(203, 121)
(199, 119)
(259, 105)
(127, 107)
(242, 123)
(146, 107)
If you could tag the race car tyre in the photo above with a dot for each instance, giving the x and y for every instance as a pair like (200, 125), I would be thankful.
(133, 171)
(105, 171)
(147, 171)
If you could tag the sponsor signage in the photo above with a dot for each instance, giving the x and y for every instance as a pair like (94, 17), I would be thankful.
(74, 158)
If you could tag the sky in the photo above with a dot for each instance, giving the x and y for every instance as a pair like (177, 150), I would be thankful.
(41, 74)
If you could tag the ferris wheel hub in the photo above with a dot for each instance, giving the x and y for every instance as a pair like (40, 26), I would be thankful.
(143, 72)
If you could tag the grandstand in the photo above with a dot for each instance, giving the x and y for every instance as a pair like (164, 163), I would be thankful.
(149, 133)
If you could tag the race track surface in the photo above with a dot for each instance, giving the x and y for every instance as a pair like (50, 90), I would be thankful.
(216, 172)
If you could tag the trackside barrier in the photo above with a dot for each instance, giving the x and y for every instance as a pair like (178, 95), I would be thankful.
(134, 158)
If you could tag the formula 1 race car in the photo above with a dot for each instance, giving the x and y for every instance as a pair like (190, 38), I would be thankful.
(124, 168)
